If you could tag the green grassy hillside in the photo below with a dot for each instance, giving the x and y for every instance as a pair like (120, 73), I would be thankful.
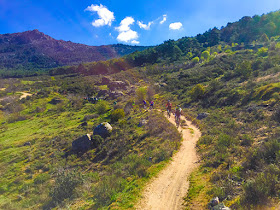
(240, 92)
(39, 168)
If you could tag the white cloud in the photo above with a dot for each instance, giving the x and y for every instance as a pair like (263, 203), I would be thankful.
(135, 42)
(125, 32)
(164, 17)
(145, 26)
(125, 24)
(175, 26)
(106, 17)
(127, 36)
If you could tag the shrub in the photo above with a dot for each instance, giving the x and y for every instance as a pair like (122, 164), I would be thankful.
(246, 140)
(276, 115)
(41, 178)
(197, 92)
(117, 114)
(65, 185)
(102, 107)
(257, 191)
(141, 94)
(107, 189)
(195, 60)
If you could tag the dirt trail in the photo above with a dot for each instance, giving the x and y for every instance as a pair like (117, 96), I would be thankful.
(24, 95)
(166, 191)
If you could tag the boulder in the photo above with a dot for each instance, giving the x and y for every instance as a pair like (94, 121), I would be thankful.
(55, 101)
(115, 94)
(82, 144)
(201, 116)
(220, 206)
(27, 143)
(115, 85)
(103, 129)
(142, 122)
(102, 93)
(214, 202)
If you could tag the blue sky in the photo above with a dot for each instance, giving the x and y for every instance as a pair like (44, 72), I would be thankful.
(145, 22)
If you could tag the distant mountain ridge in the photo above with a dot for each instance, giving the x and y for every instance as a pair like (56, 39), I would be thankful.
(36, 50)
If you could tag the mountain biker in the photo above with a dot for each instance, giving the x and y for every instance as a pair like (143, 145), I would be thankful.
(168, 106)
(178, 112)
(151, 104)
(144, 103)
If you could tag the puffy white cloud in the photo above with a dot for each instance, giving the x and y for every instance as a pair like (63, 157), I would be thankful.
(125, 24)
(164, 17)
(106, 17)
(127, 36)
(175, 26)
(145, 26)
(135, 42)
(125, 32)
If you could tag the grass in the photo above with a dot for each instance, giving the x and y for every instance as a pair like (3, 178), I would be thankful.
(28, 173)
(197, 196)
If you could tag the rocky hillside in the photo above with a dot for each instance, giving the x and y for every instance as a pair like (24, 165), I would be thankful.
(36, 50)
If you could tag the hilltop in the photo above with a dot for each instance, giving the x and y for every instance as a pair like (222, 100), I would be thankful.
(33, 50)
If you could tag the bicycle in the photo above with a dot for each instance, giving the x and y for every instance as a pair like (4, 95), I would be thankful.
(177, 120)
(168, 112)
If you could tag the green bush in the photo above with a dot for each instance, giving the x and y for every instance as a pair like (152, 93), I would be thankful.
(117, 114)
(65, 185)
(197, 92)
(41, 178)
(102, 107)
(141, 94)
(257, 191)
(195, 60)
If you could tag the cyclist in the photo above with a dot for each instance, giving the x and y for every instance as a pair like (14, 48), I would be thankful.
(168, 106)
(144, 104)
(178, 112)
(151, 104)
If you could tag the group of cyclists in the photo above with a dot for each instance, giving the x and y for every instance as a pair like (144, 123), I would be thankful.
(177, 112)
(151, 104)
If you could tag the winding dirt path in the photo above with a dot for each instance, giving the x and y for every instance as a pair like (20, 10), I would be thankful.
(166, 191)
(24, 95)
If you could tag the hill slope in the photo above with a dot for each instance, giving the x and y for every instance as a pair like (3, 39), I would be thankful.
(34, 49)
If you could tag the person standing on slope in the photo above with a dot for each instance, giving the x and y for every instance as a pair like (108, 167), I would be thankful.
(168, 106)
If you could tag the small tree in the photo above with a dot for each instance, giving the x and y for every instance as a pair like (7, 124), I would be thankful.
(141, 94)
(197, 92)
(117, 114)
(264, 38)
(195, 60)
(244, 69)
(205, 55)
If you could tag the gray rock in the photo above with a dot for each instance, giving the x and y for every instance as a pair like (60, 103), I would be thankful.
(142, 122)
(115, 94)
(27, 143)
(116, 85)
(102, 93)
(82, 144)
(214, 202)
(201, 116)
(220, 206)
(103, 129)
